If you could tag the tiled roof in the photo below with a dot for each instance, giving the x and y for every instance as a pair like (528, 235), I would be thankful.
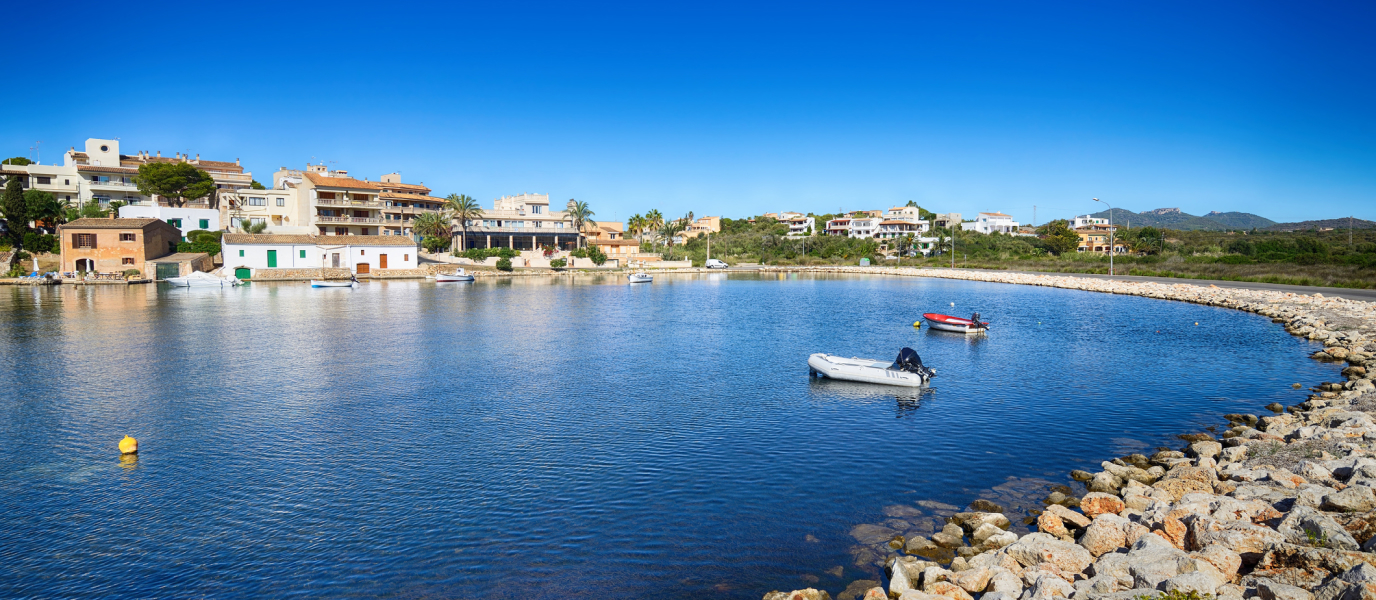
(403, 186)
(318, 240)
(217, 165)
(107, 169)
(996, 214)
(112, 223)
(179, 257)
(347, 183)
(401, 196)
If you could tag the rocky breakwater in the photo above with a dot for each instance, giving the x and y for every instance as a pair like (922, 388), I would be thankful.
(1278, 507)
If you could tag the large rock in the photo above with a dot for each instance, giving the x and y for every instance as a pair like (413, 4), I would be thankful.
(970, 521)
(1306, 567)
(947, 589)
(1107, 534)
(985, 531)
(1308, 527)
(999, 540)
(872, 535)
(1069, 517)
(1272, 590)
(1052, 525)
(807, 594)
(1104, 482)
(1223, 559)
(1357, 583)
(905, 573)
(1004, 581)
(973, 579)
(1040, 548)
(1152, 561)
(1097, 503)
(1357, 498)
(1049, 586)
(1186, 479)
(1206, 450)
(1241, 537)
(1201, 582)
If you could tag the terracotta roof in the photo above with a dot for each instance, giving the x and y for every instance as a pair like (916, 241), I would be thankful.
(318, 240)
(996, 214)
(341, 182)
(107, 169)
(217, 165)
(112, 223)
(393, 195)
(403, 186)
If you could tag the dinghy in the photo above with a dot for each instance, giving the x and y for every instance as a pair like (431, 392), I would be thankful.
(201, 279)
(906, 371)
(640, 277)
(332, 283)
(956, 324)
(457, 276)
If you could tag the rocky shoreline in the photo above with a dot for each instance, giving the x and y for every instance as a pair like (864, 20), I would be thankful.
(1280, 506)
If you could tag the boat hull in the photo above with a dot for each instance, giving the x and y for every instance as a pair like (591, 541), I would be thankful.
(862, 370)
(441, 278)
(954, 324)
(331, 284)
(640, 278)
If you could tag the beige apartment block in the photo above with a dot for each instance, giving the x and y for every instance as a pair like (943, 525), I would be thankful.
(338, 204)
(522, 222)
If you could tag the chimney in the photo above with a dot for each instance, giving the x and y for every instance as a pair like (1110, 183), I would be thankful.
(236, 162)
(198, 157)
(160, 154)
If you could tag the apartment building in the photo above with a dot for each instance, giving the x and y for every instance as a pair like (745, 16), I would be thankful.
(865, 227)
(521, 222)
(992, 222)
(1086, 221)
(800, 225)
(282, 208)
(1097, 237)
(946, 219)
(101, 173)
(699, 226)
(335, 203)
(911, 214)
(839, 226)
(245, 254)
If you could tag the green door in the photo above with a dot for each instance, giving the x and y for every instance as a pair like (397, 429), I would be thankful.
(168, 270)
(242, 273)
(272, 259)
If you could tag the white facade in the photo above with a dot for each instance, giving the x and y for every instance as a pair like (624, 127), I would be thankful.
(801, 225)
(995, 222)
(1086, 221)
(864, 228)
(185, 219)
(314, 252)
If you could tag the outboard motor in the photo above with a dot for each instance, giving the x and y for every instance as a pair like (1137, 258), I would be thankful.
(909, 361)
(978, 324)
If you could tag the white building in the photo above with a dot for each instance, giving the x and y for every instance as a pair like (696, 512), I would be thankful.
(521, 222)
(865, 228)
(910, 214)
(801, 225)
(839, 226)
(1086, 221)
(361, 254)
(185, 219)
(991, 222)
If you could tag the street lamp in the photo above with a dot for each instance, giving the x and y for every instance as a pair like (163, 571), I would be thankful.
(1110, 236)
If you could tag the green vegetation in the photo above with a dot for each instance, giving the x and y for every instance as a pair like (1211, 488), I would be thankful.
(558, 263)
(504, 264)
(1175, 595)
(581, 215)
(248, 226)
(434, 244)
(592, 253)
(204, 244)
(201, 235)
(481, 254)
(132, 272)
(254, 185)
(465, 209)
(18, 160)
(40, 242)
(175, 182)
(15, 210)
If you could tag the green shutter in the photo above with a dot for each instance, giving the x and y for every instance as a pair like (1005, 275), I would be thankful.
(241, 254)
(272, 259)
(205, 223)
(303, 254)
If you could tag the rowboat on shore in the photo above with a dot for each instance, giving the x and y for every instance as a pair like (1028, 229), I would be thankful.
(956, 324)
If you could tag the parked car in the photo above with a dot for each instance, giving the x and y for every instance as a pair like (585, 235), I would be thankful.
(713, 263)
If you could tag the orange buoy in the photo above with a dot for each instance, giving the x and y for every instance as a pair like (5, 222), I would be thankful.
(128, 445)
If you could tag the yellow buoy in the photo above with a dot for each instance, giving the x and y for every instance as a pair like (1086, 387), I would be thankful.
(1196, 322)
(917, 323)
(128, 445)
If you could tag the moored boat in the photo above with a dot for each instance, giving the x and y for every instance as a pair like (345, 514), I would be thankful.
(201, 279)
(906, 371)
(457, 276)
(640, 277)
(956, 324)
(332, 283)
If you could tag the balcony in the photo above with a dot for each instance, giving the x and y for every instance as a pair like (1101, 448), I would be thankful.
(353, 203)
(350, 220)
(118, 184)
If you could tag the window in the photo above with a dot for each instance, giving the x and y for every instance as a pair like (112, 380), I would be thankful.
(127, 261)
(535, 209)
(126, 237)
(205, 223)
(281, 202)
(360, 252)
(257, 201)
(44, 180)
(175, 223)
(255, 221)
(67, 182)
(83, 240)
(303, 254)
(405, 257)
(341, 231)
(241, 254)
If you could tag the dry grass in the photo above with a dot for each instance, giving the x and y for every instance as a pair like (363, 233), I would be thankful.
(1344, 276)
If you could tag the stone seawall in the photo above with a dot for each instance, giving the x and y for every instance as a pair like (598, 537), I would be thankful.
(299, 274)
(1281, 506)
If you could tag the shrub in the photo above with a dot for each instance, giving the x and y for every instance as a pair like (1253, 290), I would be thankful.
(200, 235)
(480, 254)
(1234, 259)
(435, 244)
(504, 264)
(211, 248)
(132, 272)
(22, 255)
(557, 263)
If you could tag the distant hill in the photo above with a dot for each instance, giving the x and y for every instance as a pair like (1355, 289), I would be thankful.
(1323, 224)
(1173, 218)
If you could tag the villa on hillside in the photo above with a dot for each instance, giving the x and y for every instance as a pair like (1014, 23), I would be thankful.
(991, 222)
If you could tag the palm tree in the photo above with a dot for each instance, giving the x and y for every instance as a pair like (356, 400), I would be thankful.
(248, 226)
(654, 221)
(636, 225)
(581, 216)
(671, 229)
(463, 209)
(433, 224)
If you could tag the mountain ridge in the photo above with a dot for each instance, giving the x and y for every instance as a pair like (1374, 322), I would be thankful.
(1174, 218)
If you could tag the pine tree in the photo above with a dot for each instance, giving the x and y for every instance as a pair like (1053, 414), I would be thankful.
(15, 209)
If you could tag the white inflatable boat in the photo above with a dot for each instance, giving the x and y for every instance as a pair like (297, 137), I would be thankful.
(906, 371)
(200, 279)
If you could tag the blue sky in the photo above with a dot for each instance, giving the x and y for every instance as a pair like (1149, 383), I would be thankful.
(736, 109)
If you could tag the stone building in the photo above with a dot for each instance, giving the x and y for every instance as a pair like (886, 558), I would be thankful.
(115, 245)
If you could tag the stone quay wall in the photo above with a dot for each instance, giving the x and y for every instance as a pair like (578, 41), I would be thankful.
(1280, 505)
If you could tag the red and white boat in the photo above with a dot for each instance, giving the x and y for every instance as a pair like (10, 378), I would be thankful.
(956, 324)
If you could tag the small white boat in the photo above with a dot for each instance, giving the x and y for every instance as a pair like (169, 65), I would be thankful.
(906, 371)
(333, 283)
(956, 324)
(640, 277)
(200, 279)
(460, 275)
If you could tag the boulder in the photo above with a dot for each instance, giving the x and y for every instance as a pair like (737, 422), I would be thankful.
(1152, 561)
(1049, 586)
(807, 594)
(973, 579)
(1223, 560)
(1307, 567)
(947, 589)
(986, 506)
(1357, 583)
(919, 595)
(984, 532)
(1185, 480)
(1209, 449)
(1361, 526)
(873, 535)
(1196, 581)
(971, 521)
(1104, 482)
(905, 574)
(1305, 526)
(1000, 540)
(1069, 517)
(1004, 581)
(1241, 537)
(1040, 548)
(1357, 498)
(1107, 534)
(1052, 525)
(1098, 503)
(1271, 590)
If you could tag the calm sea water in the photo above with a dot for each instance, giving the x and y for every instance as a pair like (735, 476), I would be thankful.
(539, 438)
